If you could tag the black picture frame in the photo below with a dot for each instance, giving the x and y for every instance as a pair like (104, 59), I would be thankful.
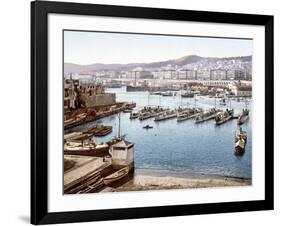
(39, 112)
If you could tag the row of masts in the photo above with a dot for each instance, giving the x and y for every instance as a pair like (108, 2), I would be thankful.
(195, 107)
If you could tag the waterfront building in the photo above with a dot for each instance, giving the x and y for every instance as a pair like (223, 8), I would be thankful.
(71, 93)
(78, 95)
(122, 154)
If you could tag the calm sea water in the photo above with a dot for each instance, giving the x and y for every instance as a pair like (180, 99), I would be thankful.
(185, 148)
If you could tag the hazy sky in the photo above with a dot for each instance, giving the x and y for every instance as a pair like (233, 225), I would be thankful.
(96, 47)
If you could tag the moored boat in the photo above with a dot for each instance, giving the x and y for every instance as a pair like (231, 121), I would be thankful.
(223, 117)
(205, 116)
(146, 115)
(86, 149)
(116, 176)
(187, 94)
(240, 133)
(243, 117)
(188, 114)
(240, 141)
(128, 110)
(167, 94)
(134, 115)
(76, 120)
(165, 115)
(240, 146)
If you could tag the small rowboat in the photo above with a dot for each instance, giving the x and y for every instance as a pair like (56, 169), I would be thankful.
(116, 176)
(147, 127)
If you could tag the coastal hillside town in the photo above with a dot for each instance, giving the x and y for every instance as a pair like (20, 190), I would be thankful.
(189, 67)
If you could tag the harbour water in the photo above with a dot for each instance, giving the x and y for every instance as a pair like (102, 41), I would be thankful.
(181, 148)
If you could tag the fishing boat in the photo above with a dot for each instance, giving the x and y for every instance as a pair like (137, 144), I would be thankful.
(167, 94)
(146, 115)
(205, 116)
(187, 94)
(240, 133)
(240, 146)
(240, 141)
(243, 117)
(98, 130)
(223, 117)
(147, 127)
(155, 93)
(116, 176)
(134, 115)
(76, 120)
(86, 149)
(185, 115)
(165, 115)
(128, 110)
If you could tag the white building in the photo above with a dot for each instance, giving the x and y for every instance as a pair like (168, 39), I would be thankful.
(122, 154)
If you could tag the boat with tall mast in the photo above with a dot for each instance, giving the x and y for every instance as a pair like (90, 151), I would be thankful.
(244, 116)
(223, 117)
(188, 113)
(240, 141)
(205, 116)
(166, 115)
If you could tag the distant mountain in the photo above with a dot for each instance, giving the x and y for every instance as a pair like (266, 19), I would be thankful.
(76, 68)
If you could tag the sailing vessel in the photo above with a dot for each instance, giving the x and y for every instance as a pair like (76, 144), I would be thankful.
(223, 117)
(240, 141)
(134, 115)
(146, 115)
(127, 110)
(205, 116)
(243, 117)
(74, 121)
(240, 133)
(187, 94)
(165, 115)
(188, 114)
(85, 148)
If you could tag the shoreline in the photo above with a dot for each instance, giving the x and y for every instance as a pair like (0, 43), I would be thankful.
(182, 174)
(152, 181)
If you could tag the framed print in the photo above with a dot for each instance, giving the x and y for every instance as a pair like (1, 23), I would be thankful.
(145, 112)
